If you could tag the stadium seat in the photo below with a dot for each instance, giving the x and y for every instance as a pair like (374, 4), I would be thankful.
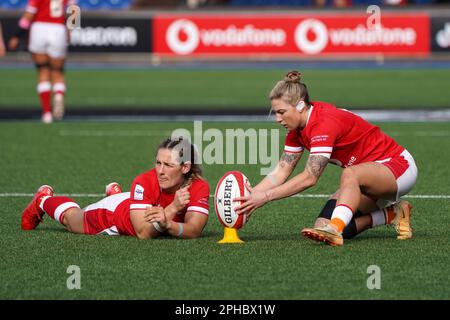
(116, 4)
(90, 4)
(104, 4)
(13, 4)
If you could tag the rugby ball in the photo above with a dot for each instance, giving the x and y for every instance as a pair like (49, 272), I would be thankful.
(230, 186)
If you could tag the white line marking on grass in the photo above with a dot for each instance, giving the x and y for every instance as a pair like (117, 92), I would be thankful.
(70, 195)
(159, 133)
(421, 134)
(413, 196)
(99, 195)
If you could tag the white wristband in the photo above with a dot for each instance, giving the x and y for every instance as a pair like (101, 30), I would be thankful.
(180, 231)
(157, 227)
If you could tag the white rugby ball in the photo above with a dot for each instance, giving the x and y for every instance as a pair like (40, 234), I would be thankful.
(230, 186)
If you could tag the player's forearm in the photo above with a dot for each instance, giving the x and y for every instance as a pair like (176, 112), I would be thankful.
(170, 211)
(272, 180)
(295, 185)
(183, 230)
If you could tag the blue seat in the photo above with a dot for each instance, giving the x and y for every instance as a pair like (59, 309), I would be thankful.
(116, 4)
(13, 4)
(90, 4)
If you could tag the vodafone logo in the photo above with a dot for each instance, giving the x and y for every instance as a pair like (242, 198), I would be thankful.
(443, 36)
(182, 36)
(260, 35)
(311, 36)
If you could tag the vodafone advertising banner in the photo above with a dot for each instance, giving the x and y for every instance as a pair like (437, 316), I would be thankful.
(290, 35)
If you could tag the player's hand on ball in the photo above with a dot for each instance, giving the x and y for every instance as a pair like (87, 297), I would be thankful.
(251, 202)
(156, 214)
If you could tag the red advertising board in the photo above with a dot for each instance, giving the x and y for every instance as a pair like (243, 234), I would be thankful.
(291, 35)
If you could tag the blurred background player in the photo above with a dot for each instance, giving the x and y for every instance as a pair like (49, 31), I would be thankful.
(2, 43)
(171, 199)
(377, 171)
(48, 40)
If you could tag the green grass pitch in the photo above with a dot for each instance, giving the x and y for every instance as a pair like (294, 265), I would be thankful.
(274, 263)
(232, 88)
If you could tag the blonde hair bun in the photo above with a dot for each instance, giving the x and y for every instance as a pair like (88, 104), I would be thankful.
(293, 76)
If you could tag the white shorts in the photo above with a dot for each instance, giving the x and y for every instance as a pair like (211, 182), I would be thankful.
(405, 182)
(48, 38)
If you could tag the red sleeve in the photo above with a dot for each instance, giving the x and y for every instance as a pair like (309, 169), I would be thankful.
(199, 198)
(292, 143)
(142, 194)
(323, 136)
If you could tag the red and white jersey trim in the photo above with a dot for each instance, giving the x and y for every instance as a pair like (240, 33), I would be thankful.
(321, 151)
(384, 160)
(293, 149)
(198, 209)
(63, 208)
(138, 206)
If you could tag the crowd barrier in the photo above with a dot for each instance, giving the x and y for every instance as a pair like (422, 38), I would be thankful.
(236, 34)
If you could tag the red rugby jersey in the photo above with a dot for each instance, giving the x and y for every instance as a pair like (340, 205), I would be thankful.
(53, 11)
(342, 136)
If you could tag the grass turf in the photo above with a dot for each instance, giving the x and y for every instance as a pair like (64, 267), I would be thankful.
(274, 263)
(424, 88)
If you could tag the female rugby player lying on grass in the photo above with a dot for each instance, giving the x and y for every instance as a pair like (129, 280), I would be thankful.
(377, 171)
(171, 199)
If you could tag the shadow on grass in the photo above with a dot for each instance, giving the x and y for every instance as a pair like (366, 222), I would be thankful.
(272, 237)
(50, 229)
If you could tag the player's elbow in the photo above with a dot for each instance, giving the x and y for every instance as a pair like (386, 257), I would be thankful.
(193, 231)
(194, 234)
(144, 235)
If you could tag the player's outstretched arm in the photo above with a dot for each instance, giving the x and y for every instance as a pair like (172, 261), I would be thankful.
(308, 178)
(192, 228)
(282, 171)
